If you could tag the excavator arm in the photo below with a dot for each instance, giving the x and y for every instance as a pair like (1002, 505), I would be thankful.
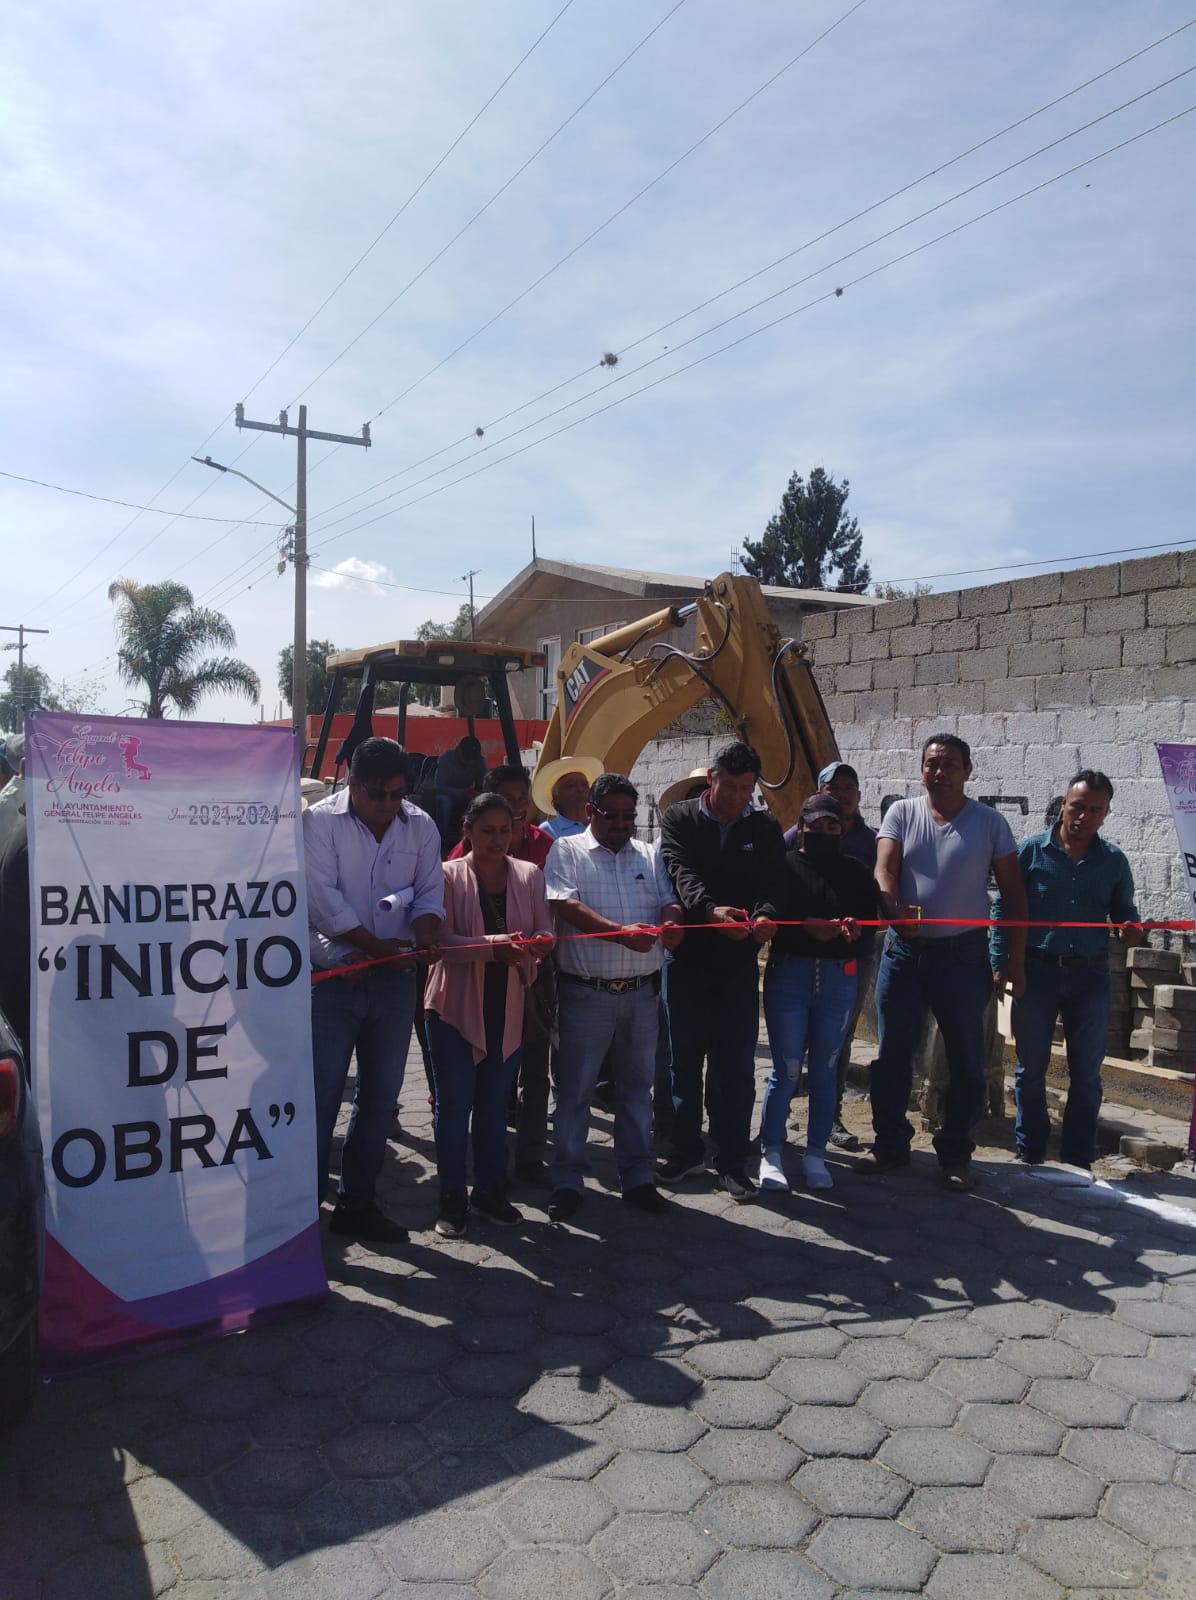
(610, 706)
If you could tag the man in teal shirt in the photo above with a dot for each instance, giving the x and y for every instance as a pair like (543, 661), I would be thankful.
(1071, 875)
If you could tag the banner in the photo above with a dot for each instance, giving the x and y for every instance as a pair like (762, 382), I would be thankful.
(1178, 762)
(171, 1028)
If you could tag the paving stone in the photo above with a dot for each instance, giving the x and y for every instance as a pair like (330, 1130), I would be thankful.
(1045, 1486)
(1085, 1551)
(979, 1380)
(1172, 1575)
(740, 1403)
(559, 1452)
(490, 1374)
(814, 1380)
(1119, 1455)
(757, 1514)
(1103, 1336)
(377, 1450)
(1172, 1425)
(653, 1380)
(115, 1573)
(575, 1353)
(1157, 1514)
(764, 1575)
(742, 1455)
(347, 1569)
(818, 1340)
(1017, 1319)
(1079, 1402)
(1185, 1473)
(156, 1508)
(962, 1520)
(361, 1508)
(901, 1403)
(1143, 1377)
(1178, 1350)
(833, 1431)
(1013, 1430)
(983, 1577)
(952, 1336)
(269, 1478)
(1044, 1358)
(389, 1398)
(554, 1511)
(1157, 1317)
(543, 1574)
(888, 1358)
(648, 1548)
(935, 1457)
(648, 1480)
(561, 1398)
(852, 1488)
(735, 1358)
(869, 1553)
(637, 1427)
(442, 1546)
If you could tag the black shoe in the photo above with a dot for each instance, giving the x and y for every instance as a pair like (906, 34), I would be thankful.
(842, 1138)
(454, 1208)
(873, 1164)
(738, 1185)
(533, 1174)
(564, 1204)
(1031, 1158)
(646, 1197)
(369, 1223)
(495, 1207)
(678, 1168)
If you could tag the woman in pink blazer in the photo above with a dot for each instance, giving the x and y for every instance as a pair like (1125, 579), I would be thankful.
(497, 928)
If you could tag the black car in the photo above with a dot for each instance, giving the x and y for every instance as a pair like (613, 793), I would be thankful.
(22, 1221)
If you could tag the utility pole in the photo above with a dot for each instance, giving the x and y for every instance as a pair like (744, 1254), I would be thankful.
(468, 577)
(301, 434)
(20, 630)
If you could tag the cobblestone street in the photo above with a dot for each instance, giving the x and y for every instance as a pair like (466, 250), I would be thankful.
(883, 1388)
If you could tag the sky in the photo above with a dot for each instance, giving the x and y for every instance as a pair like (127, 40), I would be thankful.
(367, 209)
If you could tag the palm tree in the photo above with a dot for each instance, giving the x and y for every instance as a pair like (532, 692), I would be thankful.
(161, 632)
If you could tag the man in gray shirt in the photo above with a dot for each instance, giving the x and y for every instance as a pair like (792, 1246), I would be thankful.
(934, 855)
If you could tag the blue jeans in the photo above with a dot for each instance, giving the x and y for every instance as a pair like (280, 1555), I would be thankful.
(714, 1016)
(1081, 997)
(471, 1096)
(591, 1024)
(373, 1015)
(806, 1000)
(952, 979)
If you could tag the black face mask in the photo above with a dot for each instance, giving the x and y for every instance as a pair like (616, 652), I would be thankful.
(820, 847)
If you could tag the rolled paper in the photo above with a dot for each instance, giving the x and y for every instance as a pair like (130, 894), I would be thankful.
(398, 901)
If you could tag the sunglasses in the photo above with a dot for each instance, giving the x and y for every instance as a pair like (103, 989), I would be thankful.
(615, 816)
(381, 796)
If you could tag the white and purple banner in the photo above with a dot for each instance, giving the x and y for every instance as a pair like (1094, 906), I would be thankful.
(171, 1028)
(1178, 762)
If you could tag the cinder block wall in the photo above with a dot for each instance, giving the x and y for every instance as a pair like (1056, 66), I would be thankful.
(1041, 676)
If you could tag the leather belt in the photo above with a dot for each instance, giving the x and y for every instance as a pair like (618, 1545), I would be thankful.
(613, 985)
(1048, 959)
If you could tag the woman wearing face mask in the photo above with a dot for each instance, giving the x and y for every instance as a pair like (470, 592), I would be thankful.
(809, 984)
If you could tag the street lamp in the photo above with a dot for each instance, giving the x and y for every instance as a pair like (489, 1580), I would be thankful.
(299, 646)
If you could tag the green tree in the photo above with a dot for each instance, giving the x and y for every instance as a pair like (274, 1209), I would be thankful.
(319, 681)
(26, 688)
(428, 694)
(895, 591)
(811, 542)
(161, 636)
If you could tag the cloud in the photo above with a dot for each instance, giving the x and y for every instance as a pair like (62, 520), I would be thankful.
(352, 570)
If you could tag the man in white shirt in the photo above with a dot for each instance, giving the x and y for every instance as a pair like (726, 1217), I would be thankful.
(375, 888)
(605, 881)
(934, 855)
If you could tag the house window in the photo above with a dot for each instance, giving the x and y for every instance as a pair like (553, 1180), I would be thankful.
(551, 648)
(588, 635)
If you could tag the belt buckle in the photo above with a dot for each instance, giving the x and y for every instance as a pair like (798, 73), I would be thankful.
(618, 985)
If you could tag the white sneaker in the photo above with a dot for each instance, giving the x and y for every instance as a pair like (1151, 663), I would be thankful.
(817, 1176)
(772, 1175)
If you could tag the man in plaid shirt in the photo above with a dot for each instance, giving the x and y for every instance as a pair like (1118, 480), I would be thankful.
(605, 882)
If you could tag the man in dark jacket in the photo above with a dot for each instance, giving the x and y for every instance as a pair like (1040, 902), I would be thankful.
(726, 861)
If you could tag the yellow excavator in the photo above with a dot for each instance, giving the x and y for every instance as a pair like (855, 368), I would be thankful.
(610, 704)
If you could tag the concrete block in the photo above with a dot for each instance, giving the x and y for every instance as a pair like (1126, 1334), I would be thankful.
(1058, 690)
(1143, 649)
(1116, 760)
(983, 665)
(1168, 683)
(1181, 644)
(895, 614)
(959, 634)
(1091, 583)
(1160, 964)
(1125, 615)
(961, 699)
(985, 601)
(1044, 590)
(1087, 724)
(1058, 622)
(818, 624)
(1151, 572)
(1000, 768)
(1172, 1060)
(981, 732)
(937, 668)
(1175, 997)
(870, 646)
(937, 607)
(831, 652)
(1171, 608)
(1055, 762)
(917, 641)
(896, 674)
(853, 678)
(855, 619)
(1145, 724)
(1035, 727)
(850, 734)
(881, 705)
(1120, 686)
(1011, 628)
(1036, 660)
(1187, 567)
(1081, 655)
(1163, 1037)
(1010, 694)
(922, 729)
(918, 702)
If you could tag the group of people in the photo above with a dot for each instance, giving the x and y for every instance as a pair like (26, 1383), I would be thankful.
(641, 964)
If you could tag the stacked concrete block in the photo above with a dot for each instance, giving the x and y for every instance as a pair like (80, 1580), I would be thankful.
(1155, 973)
(1173, 1037)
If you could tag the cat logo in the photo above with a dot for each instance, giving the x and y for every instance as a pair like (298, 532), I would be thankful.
(580, 681)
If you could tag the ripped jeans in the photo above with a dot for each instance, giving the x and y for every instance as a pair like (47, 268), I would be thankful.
(806, 999)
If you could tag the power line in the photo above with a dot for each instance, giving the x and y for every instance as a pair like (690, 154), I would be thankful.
(905, 188)
(785, 289)
(107, 500)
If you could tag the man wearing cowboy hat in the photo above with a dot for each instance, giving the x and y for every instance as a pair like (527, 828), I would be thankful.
(687, 788)
(561, 792)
